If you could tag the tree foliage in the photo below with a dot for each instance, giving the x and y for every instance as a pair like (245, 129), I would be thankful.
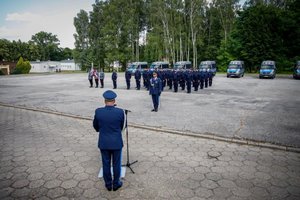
(43, 46)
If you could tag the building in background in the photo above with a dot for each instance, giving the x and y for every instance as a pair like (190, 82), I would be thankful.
(7, 67)
(69, 65)
(53, 66)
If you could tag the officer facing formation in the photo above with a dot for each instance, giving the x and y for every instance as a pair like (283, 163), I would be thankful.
(155, 90)
(109, 121)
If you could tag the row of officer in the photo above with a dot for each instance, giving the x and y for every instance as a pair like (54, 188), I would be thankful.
(186, 79)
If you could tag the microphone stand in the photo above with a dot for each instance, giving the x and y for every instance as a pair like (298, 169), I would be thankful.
(128, 164)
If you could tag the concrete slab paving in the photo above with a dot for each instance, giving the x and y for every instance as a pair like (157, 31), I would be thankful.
(47, 156)
(247, 108)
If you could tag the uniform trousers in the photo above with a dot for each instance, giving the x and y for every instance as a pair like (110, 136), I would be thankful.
(116, 157)
(155, 100)
(91, 82)
(115, 84)
(128, 84)
(138, 83)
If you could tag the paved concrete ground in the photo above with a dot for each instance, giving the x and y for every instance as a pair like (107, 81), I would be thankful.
(46, 156)
(248, 108)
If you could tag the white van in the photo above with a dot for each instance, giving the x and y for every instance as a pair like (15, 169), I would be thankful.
(182, 65)
(141, 66)
(236, 68)
(208, 65)
(159, 65)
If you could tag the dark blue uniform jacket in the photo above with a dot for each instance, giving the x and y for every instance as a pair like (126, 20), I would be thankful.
(109, 122)
(114, 76)
(155, 86)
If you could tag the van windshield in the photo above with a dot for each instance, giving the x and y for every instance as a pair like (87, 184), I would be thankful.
(178, 66)
(205, 66)
(234, 67)
(153, 66)
(267, 67)
(132, 66)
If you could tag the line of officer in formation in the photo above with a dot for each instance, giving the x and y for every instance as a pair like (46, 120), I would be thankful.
(185, 79)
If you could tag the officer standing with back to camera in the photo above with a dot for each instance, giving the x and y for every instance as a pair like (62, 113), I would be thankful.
(155, 90)
(109, 121)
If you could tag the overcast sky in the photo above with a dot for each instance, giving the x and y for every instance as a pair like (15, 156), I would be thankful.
(20, 19)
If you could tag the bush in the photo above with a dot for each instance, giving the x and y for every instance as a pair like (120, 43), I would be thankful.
(22, 67)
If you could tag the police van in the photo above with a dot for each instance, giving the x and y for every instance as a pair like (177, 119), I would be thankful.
(182, 65)
(267, 69)
(159, 65)
(236, 68)
(208, 65)
(141, 66)
(296, 74)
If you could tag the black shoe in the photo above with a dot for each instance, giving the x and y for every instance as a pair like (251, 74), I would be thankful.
(119, 186)
(155, 110)
(152, 110)
(109, 188)
(91, 86)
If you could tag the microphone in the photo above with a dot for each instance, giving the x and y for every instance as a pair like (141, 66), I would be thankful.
(123, 109)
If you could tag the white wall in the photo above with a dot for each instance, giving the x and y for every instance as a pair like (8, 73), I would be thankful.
(52, 66)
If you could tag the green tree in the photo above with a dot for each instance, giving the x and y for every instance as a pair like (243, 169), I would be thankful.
(4, 49)
(47, 45)
(267, 31)
(81, 23)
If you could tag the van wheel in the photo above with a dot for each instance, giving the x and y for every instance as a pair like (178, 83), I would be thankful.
(227, 76)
